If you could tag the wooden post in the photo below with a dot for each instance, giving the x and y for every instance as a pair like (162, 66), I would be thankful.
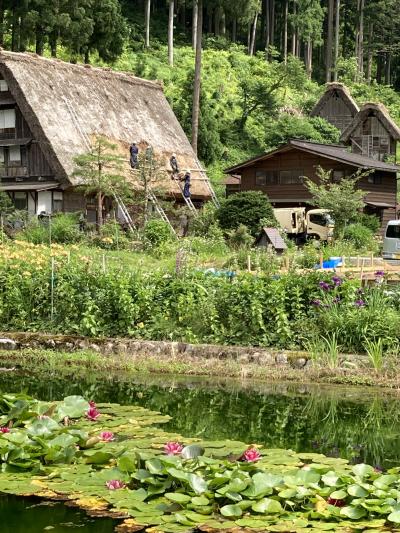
(52, 290)
(362, 269)
(358, 262)
(248, 263)
(321, 260)
(372, 260)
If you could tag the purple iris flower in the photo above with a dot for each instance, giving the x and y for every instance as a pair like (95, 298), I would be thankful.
(337, 281)
(324, 285)
(359, 303)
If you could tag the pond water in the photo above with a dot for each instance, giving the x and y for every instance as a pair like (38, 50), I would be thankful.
(362, 425)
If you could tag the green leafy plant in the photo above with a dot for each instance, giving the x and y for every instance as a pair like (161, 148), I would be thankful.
(374, 349)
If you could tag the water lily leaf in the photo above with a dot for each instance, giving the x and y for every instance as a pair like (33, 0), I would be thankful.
(178, 497)
(287, 493)
(178, 474)
(72, 407)
(331, 479)
(394, 517)
(97, 457)
(338, 495)
(356, 490)
(198, 484)
(267, 506)
(154, 466)
(231, 511)
(200, 501)
(355, 513)
(127, 463)
(363, 470)
(43, 426)
(384, 481)
(302, 477)
(192, 451)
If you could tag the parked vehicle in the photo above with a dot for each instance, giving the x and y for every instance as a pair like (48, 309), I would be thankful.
(391, 240)
(301, 225)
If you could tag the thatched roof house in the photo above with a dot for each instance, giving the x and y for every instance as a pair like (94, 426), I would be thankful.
(62, 105)
(372, 132)
(336, 106)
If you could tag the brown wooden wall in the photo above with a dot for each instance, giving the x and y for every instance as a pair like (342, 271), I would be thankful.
(336, 112)
(307, 165)
(73, 201)
(37, 163)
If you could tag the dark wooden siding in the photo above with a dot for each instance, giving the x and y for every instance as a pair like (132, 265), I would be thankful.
(37, 163)
(22, 130)
(336, 111)
(307, 165)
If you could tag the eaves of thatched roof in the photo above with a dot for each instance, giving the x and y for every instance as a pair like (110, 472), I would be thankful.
(66, 104)
(336, 89)
(377, 110)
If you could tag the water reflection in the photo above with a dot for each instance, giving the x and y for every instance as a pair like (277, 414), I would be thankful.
(359, 424)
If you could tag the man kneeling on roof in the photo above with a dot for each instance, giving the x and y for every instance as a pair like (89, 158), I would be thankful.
(174, 165)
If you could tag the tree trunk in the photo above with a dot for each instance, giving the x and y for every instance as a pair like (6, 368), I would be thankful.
(39, 42)
(308, 57)
(379, 68)
(217, 20)
(99, 211)
(272, 22)
(337, 30)
(370, 54)
(223, 23)
(234, 29)
(388, 75)
(252, 46)
(2, 11)
(294, 36)
(210, 12)
(329, 40)
(87, 56)
(171, 33)
(360, 54)
(53, 39)
(15, 31)
(197, 79)
(285, 31)
(147, 11)
(267, 27)
(194, 23)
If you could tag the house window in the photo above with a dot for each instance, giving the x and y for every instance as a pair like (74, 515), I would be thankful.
(14, 156)
(374, 179)
(291, 177)
(3, 86)
(20, 200)
(2, 156)
(7, 119)
(261, 178)
(57, 201)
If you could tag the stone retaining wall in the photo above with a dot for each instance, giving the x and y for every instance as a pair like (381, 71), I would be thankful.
(130, 349)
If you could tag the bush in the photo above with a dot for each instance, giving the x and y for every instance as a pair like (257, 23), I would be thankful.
(361, 236)
(247, 208)
(369, 221)
(111, 237)
(64, 230)
(240, 238)
(157, 232)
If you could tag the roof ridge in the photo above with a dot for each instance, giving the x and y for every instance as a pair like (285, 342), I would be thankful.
(6, 56)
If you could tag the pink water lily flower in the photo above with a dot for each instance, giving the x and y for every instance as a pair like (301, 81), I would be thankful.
(107, 436)
(92, 403)
(251, 455)
(5, 429)
(92, 413)
(173, 448)
(115, 484)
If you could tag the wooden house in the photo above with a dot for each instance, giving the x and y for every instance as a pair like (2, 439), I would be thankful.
(336, 106)
(280, 175)
(49, 112)
(372, 132)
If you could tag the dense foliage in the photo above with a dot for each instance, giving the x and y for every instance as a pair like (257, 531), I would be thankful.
(88, 453)
(247, 208)
(84, 297)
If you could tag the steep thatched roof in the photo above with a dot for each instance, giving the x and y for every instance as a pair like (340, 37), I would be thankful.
(377, 110)
(65, 104)
(335, 90)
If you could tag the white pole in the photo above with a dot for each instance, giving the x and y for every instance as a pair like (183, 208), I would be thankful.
(52, 288)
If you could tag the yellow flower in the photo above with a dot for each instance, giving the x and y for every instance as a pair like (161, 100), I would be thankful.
(141, 325)
(26, 273)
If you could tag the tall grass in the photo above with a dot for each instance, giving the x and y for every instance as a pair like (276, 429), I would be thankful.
(374, 350)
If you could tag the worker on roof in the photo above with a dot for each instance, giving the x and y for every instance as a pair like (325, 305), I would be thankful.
(174, 165)
(134, 151)
(186, 187)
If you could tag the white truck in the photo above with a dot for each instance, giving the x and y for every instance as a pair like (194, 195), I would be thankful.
(300, 225)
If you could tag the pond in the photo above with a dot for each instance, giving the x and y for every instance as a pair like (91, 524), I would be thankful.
(362, 425)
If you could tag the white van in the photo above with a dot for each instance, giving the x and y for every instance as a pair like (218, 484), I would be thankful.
(391, 240)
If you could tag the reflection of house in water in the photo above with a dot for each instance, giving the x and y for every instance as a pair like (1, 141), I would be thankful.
(372, 132)
(336, 106)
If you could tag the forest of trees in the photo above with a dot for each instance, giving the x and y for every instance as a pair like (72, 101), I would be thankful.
(323, 33)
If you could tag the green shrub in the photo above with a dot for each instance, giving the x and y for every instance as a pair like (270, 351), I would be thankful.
(361, 236)
(245, 208)
(111, 237)
(369, 221)
(65, 228)
(35, 232)
(157, 232)
(240, 237)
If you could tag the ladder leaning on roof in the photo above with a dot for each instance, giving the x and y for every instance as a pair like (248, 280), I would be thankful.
(125, 213)
(188, 200)
(206, 180)
(153, 198)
